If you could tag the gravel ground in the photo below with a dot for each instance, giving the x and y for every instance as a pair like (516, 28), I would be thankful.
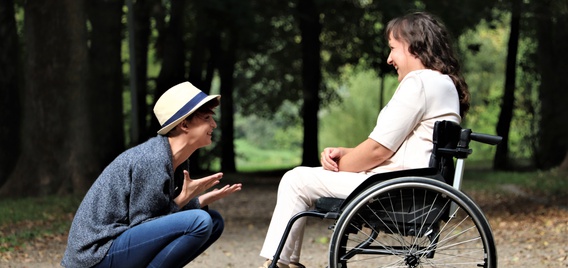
(528, 232)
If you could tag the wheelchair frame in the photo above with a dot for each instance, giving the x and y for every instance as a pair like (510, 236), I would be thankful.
(419, 212)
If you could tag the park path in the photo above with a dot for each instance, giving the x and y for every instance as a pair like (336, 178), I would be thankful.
(529, 232)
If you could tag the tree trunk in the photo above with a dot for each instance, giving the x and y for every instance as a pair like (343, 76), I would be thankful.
(55, 148)
(172, 48)
(501, 159)
(226, 71)
(105, 86)
(212, 64)
(214, 42)
(141, 45)
(310, 28)
(10, 70)
(564, 165)
(199, 51)
(552, 62)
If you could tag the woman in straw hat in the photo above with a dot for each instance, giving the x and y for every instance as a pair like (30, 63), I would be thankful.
(431, 88)
(144, 210)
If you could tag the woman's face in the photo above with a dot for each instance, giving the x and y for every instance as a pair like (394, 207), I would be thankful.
(201, 128)
(401, 59)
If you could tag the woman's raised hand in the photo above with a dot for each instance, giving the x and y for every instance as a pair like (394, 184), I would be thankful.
(217, 194)
(193, 188)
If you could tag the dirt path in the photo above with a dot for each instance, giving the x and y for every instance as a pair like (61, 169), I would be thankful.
(528, 233)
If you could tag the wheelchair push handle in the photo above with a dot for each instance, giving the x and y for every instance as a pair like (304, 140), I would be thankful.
(466, 135)
(486, 138)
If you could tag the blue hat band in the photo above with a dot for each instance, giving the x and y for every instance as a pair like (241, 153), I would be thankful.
(186, 108)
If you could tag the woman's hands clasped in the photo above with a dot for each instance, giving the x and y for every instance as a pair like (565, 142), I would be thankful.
(330, 158)
(193, 188)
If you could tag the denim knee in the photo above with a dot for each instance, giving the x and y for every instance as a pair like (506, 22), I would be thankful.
(218, 223)
(197, 222)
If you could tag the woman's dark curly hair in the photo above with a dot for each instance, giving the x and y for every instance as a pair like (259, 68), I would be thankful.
(429, 40)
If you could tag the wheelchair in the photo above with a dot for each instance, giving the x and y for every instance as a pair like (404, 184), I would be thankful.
(411, 218)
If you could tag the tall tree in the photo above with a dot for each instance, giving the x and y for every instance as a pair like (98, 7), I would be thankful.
(105, 80)
(564, 164)
(10, 70)
(470, 13)
(200, 49)
(501, 159)
(310, 28)
(206, 57)
(171, 50)
(552, 61)
(235, 18)
(226, 35)
(55, 142)
(269, 73)
(226, 73)
(141, 37)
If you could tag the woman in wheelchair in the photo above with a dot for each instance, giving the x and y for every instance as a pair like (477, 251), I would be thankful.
(431, 88)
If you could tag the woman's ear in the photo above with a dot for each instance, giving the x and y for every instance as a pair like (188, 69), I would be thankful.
(184, 124)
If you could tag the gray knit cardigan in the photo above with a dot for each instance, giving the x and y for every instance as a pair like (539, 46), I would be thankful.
(136, 187)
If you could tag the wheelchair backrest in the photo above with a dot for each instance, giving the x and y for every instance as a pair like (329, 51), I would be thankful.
(446, 136)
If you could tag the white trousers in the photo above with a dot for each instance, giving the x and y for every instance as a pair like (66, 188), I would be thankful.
(297, 192)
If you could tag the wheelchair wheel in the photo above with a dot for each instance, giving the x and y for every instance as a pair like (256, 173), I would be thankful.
(412, 222)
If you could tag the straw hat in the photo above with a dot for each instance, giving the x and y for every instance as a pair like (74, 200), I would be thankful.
(177, 103)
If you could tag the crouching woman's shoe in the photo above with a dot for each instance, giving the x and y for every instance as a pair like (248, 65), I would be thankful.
(280, 265)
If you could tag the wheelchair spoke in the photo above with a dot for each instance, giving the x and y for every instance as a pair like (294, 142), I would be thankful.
(410, 227)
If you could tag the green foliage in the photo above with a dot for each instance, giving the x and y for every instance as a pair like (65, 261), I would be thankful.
(268, 144)
(269, 70)
(551, 183)
(27, 218)
(263, 143)
(484, 51)
(283, 131)
(289, 138)
(351, 120)
(253, 158)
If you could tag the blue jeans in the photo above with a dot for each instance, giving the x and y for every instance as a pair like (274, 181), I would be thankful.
(170, 241)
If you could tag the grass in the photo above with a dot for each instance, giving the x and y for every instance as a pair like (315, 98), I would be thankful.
(552, 183)
(251, 158)
(27, 218)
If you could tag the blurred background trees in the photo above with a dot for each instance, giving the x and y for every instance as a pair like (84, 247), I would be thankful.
(78, 80)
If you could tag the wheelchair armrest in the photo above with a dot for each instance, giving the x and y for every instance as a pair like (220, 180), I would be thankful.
(328, 204)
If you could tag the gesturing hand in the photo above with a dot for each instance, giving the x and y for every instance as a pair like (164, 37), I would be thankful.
(192, 188)
(217, 194)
